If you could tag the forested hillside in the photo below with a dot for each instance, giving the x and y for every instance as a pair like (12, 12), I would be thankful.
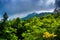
(36, 28)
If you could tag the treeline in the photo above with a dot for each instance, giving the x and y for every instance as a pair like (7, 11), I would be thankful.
(36, 28)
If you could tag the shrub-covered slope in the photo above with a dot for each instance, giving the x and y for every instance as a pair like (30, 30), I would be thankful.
(36, 28)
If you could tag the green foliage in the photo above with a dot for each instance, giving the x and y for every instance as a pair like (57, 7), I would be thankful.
(31, 29)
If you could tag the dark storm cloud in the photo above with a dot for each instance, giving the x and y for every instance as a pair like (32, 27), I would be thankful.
(57, 3)
(13, 7)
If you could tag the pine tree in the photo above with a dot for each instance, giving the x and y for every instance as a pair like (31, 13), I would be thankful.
(5, 17)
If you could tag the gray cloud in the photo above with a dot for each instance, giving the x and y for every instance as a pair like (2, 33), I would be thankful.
(57, 3)
(24, 6)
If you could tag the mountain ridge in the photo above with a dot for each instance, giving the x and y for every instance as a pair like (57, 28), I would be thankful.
(36, 14)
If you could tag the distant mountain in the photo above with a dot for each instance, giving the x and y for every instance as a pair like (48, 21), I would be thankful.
(36, 14)
(30, 16)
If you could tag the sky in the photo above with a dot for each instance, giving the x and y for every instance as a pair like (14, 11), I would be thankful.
(22, 8)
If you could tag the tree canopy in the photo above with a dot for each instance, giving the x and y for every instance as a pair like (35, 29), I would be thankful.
(36, 28)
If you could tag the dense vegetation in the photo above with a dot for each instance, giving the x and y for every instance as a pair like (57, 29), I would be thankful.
(36, 28)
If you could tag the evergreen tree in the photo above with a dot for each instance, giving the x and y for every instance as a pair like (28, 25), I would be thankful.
(5, 17)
